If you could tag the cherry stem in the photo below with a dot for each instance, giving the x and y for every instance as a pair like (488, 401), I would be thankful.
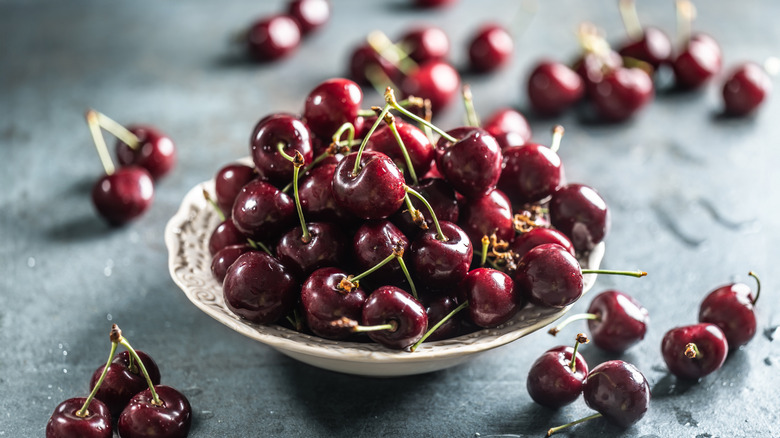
(391, 52)
(378, 79)
(119, 131)
(468, 101)
(758, 285)
(485, 244)
(580, 316)
(256, 244)
(592, 41)
(611, 272)
(630, 19)
(439, 234)
(379, 120)
(556, 138)
(116, 336)
(390, 99)
(100, 142)
(296, 320)
(211, 201)
(581, 339)
(305, 236)
(581, 420)
(417, 216)
(685, 15)
(692, 351)
(408, 277)
(439, 324)
(308, 167)
(488, 261)
(390, 120)
(385, 261)
(391, 326)
(84, 411)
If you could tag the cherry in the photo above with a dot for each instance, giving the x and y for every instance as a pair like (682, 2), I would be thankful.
(403, 318)
(694, 351)
(699, 62)
(143, 417)
(508, 140)
(618, 391)
(274, 135)
(228, 182)
(556, 377)
(436, 81)
(224, 235)
(731, 308)
(66, 422)
(746, 89)
(439, 195)
(123, 380)
(123, 195)
(581, 214)
(425, 43)
(536, 236)
(553, 88)
(433, 3)
(259, 288)
(470, 160)
(621, 93)
(491, 296)
(371, 244)
(375, 191)
(597, 59)
(316, 195)
(152, 150)
(490, 214)
(309, 14)
(441, 263)
(368, 67)
(532, 172)
(508, 120)
(273, 37)
(261, 211)
(325, 247)
(490, 48)
(226, 257)
(438, 307)
(416, 143)
(649, 44)
(323, 300)
(331, 104)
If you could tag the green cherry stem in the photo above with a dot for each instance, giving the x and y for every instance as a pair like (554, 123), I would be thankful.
(211, 201)
(119, 131)
(298, 163)
(630, 19)
(556, 138)
(379, 120)
(355, 327)
(256, 244)
(100, 142)
(485, 244)
(578, 317)
(84, 411)
(611, 272)
(353, 280)
(468, 101)
(685, 15)
(408, 277)
(391, 52)
(390, 99)
(758, 285)
(439, 234)
(390, 120)
(581, 420)
(378, 79)
(439, 324)
(116, 336)
(581, 339)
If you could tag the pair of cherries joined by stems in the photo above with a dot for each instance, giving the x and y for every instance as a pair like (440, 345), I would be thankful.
(125, 390)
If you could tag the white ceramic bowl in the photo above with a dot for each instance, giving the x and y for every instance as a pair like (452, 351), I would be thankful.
(187, 235)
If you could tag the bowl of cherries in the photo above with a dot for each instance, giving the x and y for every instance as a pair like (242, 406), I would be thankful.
(372, 242)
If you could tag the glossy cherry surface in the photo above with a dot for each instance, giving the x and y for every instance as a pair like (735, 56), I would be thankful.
(228, 182)
(532, 172)
(621, 93)
(548, 275)
(391, 305)
(259, 288)
(746, 89)
(434, 80)
(490, 48)
(64, 423)
(439, 195)
(309, 14)
(731, 307)
(124, 195)
(373, 242)
(273, 37)
(698, 63)
(492, 297)
(323, 302)
(553, 88)
(425, 43)
(711, 345)
(437, 307)
(618, 391)
(534, 237)
(142, 419)
(472, 164)
(508, 140)
(653, 47)
(415, 141)
(155, 151)
(262, 212)
(271, 132)
(489, 214)
(225, 257)
(225, 234)
(375, 192)
(327, 247)
(123, 381)
(331, 104)
(581, 214)
(316, 195)
(551, 381)
(507, 120)
(441, 265)
(367, 65)
(622, 321)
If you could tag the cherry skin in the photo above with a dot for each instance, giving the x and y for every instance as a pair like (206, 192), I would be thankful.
(375, 192)
(437, 307)
(123, 382)
(261, 211)
(654, 47)
(592, 66)
(621, 93)
(531, 173)
(441, 265)
(490, 48)
(226, 257)
(273, 37)
(534, 237)
(425, 43)
(618, 391)
(472, 165)
(492, 297)
(391, 305)
(309, 14)
(508, 140)
(489, 214)
(622, 321)
(553, 88)
(581, 214)
(434, 80)
(64, 423)
(331, 104)
(711, 345)
(730, 307)
(415, 141)
(155, 151)
(698, 63)
(364, 58)
(316, 195)
(746, 89)
(508, 120)
(326, 248)
(142, 419)
(323, 301)
(289, 132)
(548, 275)
(441, 197)
(124, 195)
(226, 234)
(228, 182)
(551, 381)
(259, 288)
(433, 3)
(373, 242)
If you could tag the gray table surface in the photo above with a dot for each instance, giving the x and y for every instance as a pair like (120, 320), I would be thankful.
(693, 196)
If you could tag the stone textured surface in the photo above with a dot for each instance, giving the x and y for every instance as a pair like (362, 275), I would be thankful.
(693, 198)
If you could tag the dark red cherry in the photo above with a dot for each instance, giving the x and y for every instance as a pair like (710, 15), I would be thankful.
(262, 212)
(326, 247)
(271, 132)
(472, 164)
(621, 93)
(552, 382)
(507, 120)
(745, 89)
(123, 380)
(366, 65)
(64, 423)
(694, 351)
(698, 63)
(580, 213)
(316, 195)
(259, 288)
(425, 43)
(228, 182)
(309, 14)
(490, 48)
(653, 47)
(225, 257)
(441, 197)
(487, 215)
(553, 88)
(375, 192)
(492, 297)
(323, 302)
(273, 37)
(391, 305)
(417, 145)
(331, 104)
(433, 3)
(434, 80)
(531, 173)
(437, 264)
(534, 237)
(621, 321)
(618, 391)
(731, 307)
(124, 195)
(508, 140)
(548, 275)
(437, 307)
(155, 151)
(142, 419)
(226, 234)
(373, 242)
(592, 66)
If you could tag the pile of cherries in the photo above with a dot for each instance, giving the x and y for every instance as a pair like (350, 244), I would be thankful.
(125, 392)
(353, 172)
(279, 35)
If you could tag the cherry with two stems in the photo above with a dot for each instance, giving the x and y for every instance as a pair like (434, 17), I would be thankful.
(694, 351)
(556, 377)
